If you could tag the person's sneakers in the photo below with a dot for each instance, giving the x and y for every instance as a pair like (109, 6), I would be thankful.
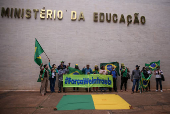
(161, 91)
(132, 92)
(156, 90)
(121, 90)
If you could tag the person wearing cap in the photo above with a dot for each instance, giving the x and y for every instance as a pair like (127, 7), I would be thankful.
(87, 71)
(95, 71)
(149, 72)
(135, 77)
(52, 79)
(158, 74)
(61, 72)
(124, 77)
(62, 63)
(76, 67)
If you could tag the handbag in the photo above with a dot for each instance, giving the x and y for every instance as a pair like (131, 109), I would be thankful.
(162, 77)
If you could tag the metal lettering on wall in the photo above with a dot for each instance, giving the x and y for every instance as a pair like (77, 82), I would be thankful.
(50, 14)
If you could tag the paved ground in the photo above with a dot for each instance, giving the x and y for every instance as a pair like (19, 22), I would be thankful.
(32, 103)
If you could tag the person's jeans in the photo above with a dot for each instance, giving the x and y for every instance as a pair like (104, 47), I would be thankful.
(60, 84)
(160, 83)
(134, 83)
(52, 84)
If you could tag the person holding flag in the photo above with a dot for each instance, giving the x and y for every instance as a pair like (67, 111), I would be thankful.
(146, 75)
(45, 73)
(149, 72)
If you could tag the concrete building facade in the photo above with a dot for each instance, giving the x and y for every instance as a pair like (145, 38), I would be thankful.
(85, 41)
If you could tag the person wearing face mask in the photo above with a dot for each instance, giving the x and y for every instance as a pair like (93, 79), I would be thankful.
(135, 77)
(52, 79)
(158, 73)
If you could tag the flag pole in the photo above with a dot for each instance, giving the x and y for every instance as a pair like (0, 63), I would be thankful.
(46, 55)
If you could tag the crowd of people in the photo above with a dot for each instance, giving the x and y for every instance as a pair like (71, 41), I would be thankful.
(51, 74)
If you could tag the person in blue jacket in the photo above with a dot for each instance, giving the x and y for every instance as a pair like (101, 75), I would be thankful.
(87, 71)
(52, 79)
(113, 72)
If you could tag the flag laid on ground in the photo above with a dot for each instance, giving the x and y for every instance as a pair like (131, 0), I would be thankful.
(153, 65)
(74, 71)
(38, 52)
(143, 81)
(91, 102)
(108, 66)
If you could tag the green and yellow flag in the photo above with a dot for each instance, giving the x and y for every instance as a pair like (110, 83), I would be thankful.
(108, 66)
(144, 81)
(153, 65)
(74, 71)
(38, 52)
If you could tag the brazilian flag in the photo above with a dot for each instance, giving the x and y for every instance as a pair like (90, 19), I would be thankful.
(74, 71)
(108, 66)
(153, 65)
(143, 81)
(38, 52)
